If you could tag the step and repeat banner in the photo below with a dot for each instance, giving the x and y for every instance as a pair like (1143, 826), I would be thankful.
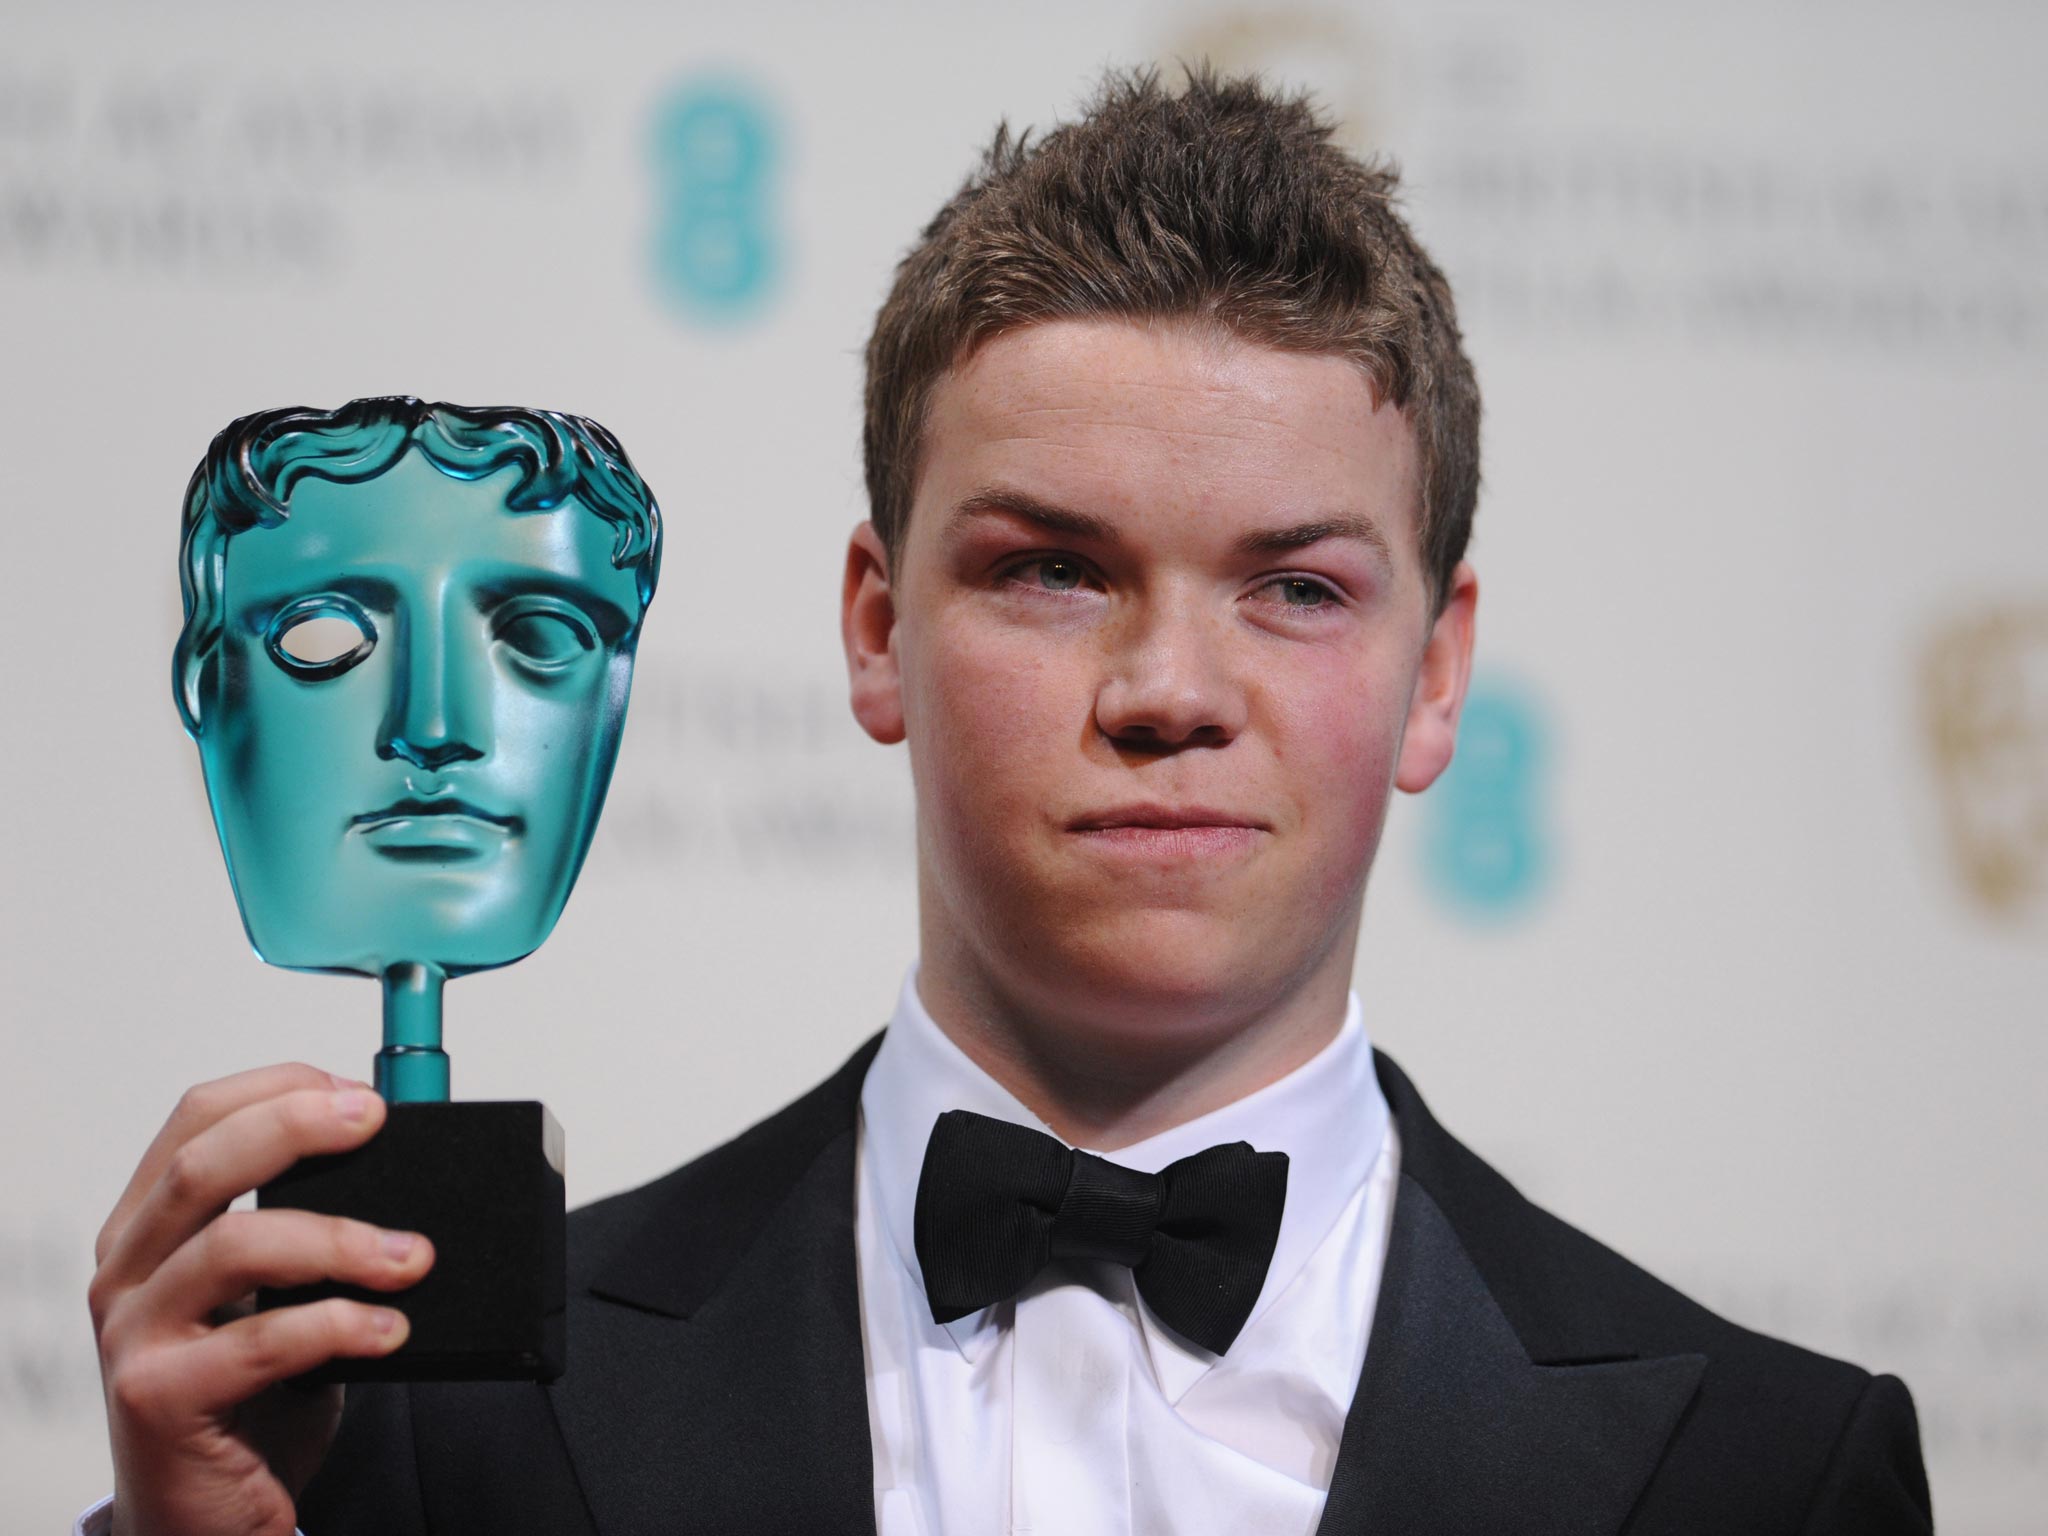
(1727, 934)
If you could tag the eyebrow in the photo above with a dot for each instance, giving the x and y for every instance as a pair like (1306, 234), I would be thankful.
(256, 609)
(1001, 501)
(997, 501)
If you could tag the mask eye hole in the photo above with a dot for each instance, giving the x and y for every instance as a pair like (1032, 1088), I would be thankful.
(321, 639)
(545, 638)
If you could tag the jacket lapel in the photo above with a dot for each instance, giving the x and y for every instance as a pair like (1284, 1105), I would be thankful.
(715, 1380)
(1454, 1428)
(1459, 1422)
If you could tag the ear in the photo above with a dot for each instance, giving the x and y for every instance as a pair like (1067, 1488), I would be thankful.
(188, 682)
(867, 628)
(1431, 733)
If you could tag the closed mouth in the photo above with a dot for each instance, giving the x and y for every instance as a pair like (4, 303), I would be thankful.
(437, 830)
(421, 810)
(1163, 818)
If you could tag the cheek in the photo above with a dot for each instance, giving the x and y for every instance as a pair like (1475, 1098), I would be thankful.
(298, 751)
(1337, 738)
(989, 717)
(548, 747)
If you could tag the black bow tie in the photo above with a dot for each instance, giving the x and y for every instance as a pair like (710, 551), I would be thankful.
(998, 1202)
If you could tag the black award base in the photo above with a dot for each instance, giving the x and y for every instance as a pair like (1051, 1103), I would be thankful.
(484, 1182)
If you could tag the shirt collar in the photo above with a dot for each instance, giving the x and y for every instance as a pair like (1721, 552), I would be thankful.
(1327, 1115)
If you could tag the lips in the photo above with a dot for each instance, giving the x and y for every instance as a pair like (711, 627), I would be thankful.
(1164, 818)
(441, 829)
(1156, 834)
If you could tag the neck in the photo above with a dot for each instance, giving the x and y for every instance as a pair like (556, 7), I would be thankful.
(1107, 1072)
(412, 1068)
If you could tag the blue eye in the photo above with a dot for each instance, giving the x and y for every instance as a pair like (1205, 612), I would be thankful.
(1048, 573)
(1058, 575)
(321, 637)
(1300, 592)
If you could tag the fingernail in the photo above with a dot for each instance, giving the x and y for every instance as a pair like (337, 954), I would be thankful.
(352, 1104)
(387, 1320)
(398, 1246)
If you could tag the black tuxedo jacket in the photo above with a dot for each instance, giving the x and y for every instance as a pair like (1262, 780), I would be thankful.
(1520, 1378)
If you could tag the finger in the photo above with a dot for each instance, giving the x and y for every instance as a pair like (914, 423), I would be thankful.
(228, 1159)
(228, 1366)
(241, 1250)
(203, 1106)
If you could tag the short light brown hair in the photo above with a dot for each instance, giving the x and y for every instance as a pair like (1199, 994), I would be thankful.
(1224, 201)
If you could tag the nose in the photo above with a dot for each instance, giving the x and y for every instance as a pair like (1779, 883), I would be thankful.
(1170, 682)
(440, 694)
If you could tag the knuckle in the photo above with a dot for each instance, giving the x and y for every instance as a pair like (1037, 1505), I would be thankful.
(330, 1326)
(264, 1338)
(194, 1106)
(292, 1339)
(116, 1338)
(353, 1245)
(227, 1243)
(136, 1390)
(184, 1178)
(306, 1116)
(100, 1295)
(346, 1320)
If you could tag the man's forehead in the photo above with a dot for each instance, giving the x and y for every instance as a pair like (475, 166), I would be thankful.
(1134, 371)
(1115, 414)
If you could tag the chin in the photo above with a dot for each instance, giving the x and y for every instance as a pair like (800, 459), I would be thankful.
(1166, 972)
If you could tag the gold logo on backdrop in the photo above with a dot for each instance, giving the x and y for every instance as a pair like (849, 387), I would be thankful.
(1984, 687)
(1323, 52)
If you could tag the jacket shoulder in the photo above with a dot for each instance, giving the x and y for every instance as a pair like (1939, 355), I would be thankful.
(1769, 1414)
(1569, 1296)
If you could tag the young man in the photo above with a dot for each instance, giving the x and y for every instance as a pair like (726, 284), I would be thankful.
(1172, 454)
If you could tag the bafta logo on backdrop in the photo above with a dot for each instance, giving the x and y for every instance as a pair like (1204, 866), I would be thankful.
(1326, 52)
(1984, 702)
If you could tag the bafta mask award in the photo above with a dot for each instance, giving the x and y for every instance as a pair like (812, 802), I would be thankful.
(408, 641)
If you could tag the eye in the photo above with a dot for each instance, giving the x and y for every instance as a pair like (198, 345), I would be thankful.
(1302, 593)
(1050, 573)
(545, 637)
(321, 637)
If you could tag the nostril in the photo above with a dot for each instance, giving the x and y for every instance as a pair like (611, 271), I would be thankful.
(448, 752)
(432, 756)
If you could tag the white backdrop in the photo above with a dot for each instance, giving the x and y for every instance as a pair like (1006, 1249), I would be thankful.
(1727, 937)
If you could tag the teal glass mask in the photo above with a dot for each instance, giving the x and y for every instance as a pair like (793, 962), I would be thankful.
(409, 639)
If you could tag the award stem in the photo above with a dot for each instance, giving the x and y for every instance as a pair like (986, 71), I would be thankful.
(412, 1068)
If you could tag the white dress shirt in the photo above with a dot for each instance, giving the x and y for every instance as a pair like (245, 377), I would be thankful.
(1072, 1411)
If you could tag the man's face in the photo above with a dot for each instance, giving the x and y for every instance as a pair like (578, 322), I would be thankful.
(1161, 643)
(430, 801)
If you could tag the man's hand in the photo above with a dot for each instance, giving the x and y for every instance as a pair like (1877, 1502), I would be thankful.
(206, 1436)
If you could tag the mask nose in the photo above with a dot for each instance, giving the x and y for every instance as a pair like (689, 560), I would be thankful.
(431, 755)
(438, 704)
